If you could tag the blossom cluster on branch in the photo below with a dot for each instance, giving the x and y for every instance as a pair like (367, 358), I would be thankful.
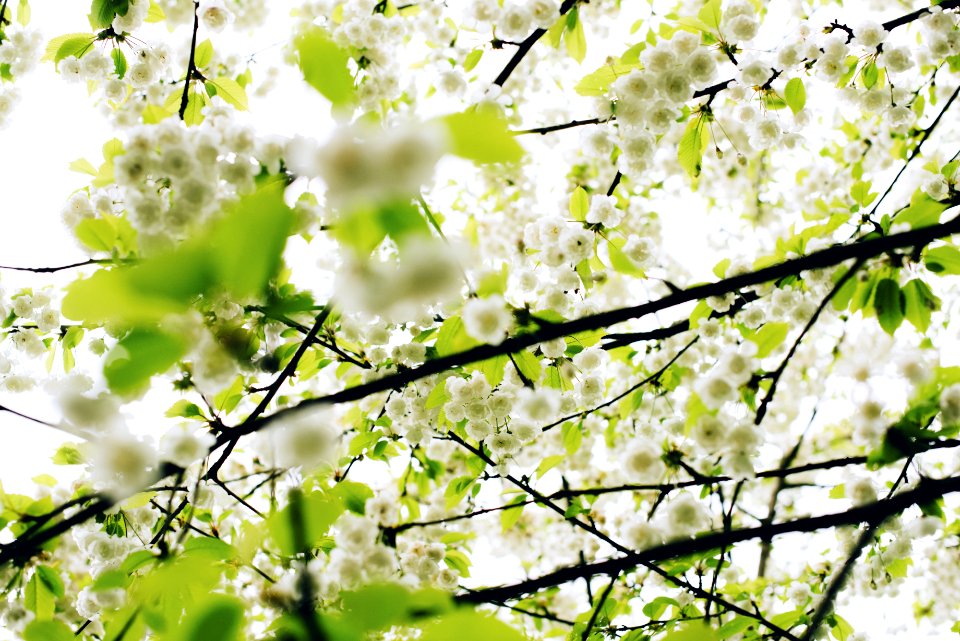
(580, 320)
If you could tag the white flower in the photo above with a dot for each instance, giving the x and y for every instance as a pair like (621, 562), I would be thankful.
(307, 438)
(70, 69)
(640, 535)
(936, 187)
(756, 73)
(603, 210)
(539, 406)
(950, 405)
(214, 14)
(861, 491)
(743, 27)
(486, 319)
(365, 165)
(701, 66)
(896, 59)
(121, 463)
(714, 391)
(185, 444)
(869, 34)
(642, 462)
(544, 12)
(685, 516)
(709, 432)
(516, 21)
(636, 85)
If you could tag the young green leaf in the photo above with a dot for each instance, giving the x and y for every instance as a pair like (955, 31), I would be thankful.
(325, 67)
(888, 302)
(692, 145)
(795, 95)
(481, 137)
(140, 355)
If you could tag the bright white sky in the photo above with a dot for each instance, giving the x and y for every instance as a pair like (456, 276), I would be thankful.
(57, 122)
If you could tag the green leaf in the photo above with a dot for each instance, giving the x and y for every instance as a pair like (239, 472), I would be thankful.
(53, 630)
(944, 259)
(71, 44)
(231, 92)
(324, 67)
(102, 12)
(769, 337)
(548, 463)
(839, 628)
(219, 618)
(23, 13)
(320, 511)
(38, 598)
(692, 145)
(472, 59)
(246, 245)
(579, 203)
(919, 302)
(528, 364)
(510, 515)
(795, 95)
(695, 631)
(68, 454)
(354, 495)
(467, 625)
(889, 303)
(119, 62)
(861, 194)
(869, 74)
(481, 137)
(572, 435)
(139, 355)
(184, 409)
(922, 212)
(51, 579)
(364, 228)
(452, 337)
(203, 54)
(574, 38)
(196, 101)
(598, 82)
(710, 14)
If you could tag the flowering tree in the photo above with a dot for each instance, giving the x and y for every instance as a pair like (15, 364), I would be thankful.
(463, 368)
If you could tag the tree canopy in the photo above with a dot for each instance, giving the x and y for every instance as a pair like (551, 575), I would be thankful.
(579, 319)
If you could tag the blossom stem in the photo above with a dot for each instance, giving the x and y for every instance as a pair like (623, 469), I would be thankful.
(191, 64)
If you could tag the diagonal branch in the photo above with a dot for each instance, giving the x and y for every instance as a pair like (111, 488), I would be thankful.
(524, 47)
(926, 491)
(818, 260)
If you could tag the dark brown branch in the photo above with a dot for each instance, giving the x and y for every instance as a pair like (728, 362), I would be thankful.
(653, 378)
(916, 150)
(192, 63)
(946, 5)
(524, 47)
(59, 268)
(591, 529)
(775, 376)
(818, 260)
(596, 610)
(826, 601)
(876, 512)
(566, 125)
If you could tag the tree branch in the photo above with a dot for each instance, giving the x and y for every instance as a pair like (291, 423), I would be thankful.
(191, 64)
(524, 47)
(818, 260)
(927, 490)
